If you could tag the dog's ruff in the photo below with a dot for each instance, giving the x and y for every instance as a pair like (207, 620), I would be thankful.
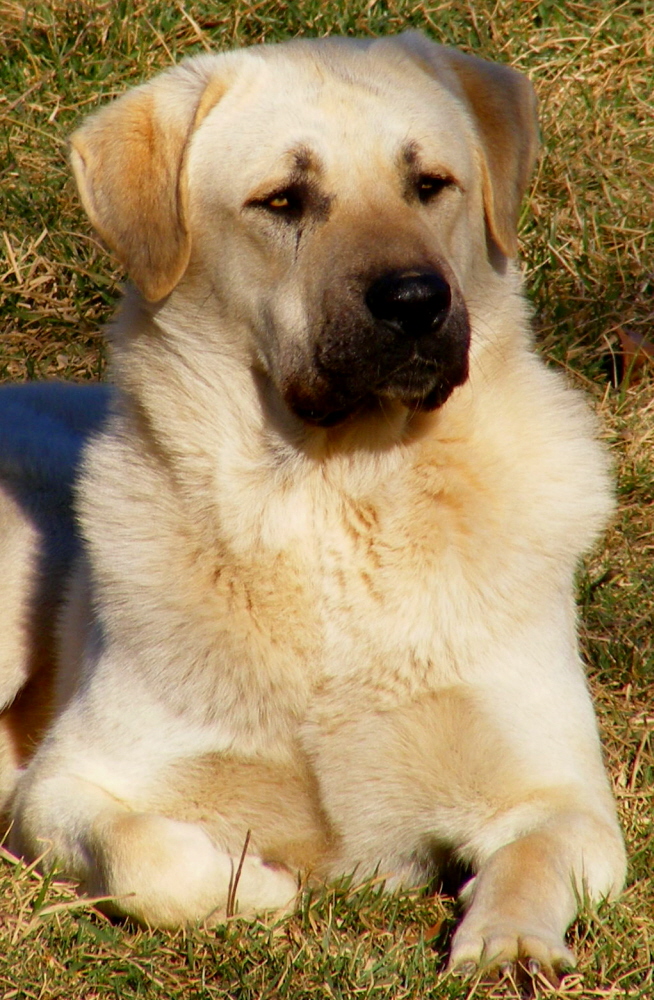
(325, 588)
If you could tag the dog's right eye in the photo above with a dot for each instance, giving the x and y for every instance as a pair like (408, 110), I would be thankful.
(287, 204)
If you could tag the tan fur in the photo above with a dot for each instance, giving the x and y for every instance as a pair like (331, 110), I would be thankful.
(351, 646)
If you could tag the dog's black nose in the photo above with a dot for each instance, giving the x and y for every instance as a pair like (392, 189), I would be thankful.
(412, 303)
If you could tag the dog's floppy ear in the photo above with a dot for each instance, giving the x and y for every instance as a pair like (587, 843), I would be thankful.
(129, 163)
(503, 106)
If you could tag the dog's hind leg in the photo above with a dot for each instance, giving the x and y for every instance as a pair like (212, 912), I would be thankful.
(153, 869)
(130, 802)
(168, 873)
(18, 552)
(43, 427)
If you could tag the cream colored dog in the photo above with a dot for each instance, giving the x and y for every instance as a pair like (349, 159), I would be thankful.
(324, 594)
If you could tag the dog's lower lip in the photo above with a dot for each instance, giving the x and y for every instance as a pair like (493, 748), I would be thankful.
(332, 419)
(416, 366)
(421, 373)
(328, 418)
(384, 389)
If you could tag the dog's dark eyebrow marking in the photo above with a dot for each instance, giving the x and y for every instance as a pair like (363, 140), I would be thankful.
(304, 160)
(300, 188)
(409, 165)
(410, 153)
(414, 169)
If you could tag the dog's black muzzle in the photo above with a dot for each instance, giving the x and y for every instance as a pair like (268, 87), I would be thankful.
(406, 339)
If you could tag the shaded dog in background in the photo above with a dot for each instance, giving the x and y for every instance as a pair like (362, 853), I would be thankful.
(323, 596)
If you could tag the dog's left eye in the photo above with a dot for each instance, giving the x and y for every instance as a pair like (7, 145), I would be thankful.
(428, 186)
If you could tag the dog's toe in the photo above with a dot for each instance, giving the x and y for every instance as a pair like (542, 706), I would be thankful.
(497, 951)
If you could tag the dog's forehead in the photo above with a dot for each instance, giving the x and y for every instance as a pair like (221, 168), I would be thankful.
(339, 103)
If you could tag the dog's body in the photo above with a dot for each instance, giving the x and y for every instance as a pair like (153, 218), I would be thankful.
(331, 524)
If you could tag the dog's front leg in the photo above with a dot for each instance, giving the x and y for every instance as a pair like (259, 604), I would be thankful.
(520, 797)
(527, 892)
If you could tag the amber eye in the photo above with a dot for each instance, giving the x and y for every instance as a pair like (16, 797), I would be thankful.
(287, 204)
(428, 186)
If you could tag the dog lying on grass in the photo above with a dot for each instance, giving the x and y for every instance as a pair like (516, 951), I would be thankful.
(319, 581)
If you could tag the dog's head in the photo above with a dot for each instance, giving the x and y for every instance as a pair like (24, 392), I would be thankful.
(328, 202)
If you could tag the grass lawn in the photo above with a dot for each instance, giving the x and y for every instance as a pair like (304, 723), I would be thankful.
(587, 247)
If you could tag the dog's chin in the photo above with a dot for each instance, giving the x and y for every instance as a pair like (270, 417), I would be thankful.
(318, 413)
(433, 400)
(418, 391)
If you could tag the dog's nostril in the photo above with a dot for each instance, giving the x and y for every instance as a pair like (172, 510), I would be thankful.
(414, 302)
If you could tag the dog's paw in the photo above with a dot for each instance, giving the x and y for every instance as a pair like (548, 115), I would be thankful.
(495, 948)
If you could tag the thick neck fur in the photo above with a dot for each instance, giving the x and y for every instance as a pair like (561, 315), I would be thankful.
(254, 473)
